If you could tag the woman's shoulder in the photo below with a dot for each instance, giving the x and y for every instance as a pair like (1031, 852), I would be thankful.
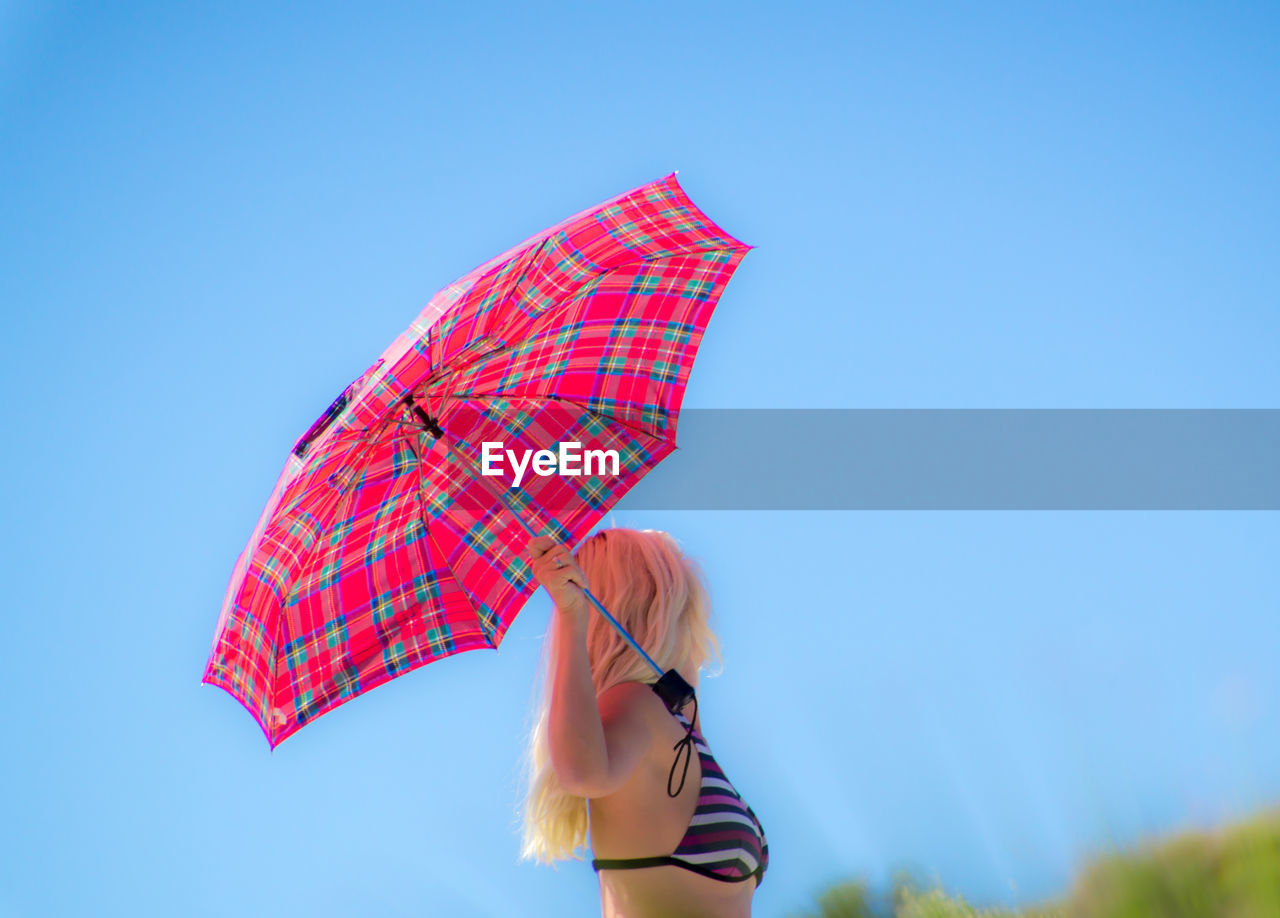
(632, 699)
(630, 694)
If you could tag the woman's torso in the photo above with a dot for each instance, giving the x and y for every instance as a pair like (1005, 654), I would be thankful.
(642, 820)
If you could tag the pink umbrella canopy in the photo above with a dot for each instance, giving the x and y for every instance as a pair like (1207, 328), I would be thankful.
(383, 546)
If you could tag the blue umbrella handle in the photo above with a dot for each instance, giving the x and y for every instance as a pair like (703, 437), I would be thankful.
(671, 687)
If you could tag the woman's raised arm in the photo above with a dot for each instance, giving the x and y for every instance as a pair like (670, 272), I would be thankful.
(594, 746)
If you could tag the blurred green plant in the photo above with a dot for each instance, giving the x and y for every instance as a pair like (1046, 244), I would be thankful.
(1231, 873)
(844, 900)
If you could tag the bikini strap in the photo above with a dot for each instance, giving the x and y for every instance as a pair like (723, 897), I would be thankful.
(683, 747)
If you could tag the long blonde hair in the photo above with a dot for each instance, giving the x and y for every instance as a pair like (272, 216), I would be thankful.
(657, 594)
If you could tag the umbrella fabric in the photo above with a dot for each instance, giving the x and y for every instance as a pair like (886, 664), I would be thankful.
(382, 547)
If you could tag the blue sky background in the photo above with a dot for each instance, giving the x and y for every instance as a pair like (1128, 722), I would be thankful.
(216, 216)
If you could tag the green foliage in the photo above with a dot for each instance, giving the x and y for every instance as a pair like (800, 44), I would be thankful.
(1235, 873)
(844, 900)
(937, 904)
(1230, 874)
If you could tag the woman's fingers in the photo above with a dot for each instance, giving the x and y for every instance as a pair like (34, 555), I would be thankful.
(539, 545)
(556, 566)
(556, 555)
(569, 573)
(544, 550)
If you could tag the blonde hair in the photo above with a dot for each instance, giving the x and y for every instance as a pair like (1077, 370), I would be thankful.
(657, 594)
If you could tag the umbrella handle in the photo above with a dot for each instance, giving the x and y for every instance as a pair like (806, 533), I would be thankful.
(674, 691)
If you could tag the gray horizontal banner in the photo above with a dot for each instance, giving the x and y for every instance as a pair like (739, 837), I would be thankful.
(968, 459)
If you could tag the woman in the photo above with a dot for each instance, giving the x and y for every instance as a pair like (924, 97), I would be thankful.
(670, 839)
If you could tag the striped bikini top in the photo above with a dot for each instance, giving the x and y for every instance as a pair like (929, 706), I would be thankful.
(724, 841)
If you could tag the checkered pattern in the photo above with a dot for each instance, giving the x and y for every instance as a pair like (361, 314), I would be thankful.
(381, 549)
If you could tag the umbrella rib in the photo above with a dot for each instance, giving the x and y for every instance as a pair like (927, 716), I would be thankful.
(359, 442)
(565, 401)
(344, 498)
(504, 347)
(461, 588)
(426, 524)
(511, 285)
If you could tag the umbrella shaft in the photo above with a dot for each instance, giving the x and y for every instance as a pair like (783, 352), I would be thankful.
(622, 631)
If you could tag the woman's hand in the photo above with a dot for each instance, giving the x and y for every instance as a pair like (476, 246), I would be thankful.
(556, 570)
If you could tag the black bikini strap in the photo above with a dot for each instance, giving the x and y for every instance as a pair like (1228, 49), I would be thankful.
(685, 746)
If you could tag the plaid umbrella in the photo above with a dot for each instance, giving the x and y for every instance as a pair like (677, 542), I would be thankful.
(382, 546)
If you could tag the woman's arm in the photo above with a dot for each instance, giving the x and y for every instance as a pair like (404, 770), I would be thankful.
(594, 746)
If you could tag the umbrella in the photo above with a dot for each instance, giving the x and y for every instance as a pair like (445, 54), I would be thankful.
(528, 396)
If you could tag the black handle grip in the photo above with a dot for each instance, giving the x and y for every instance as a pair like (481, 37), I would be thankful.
(673, 690)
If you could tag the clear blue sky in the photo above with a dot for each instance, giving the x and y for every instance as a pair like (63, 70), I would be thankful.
(215, 216)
